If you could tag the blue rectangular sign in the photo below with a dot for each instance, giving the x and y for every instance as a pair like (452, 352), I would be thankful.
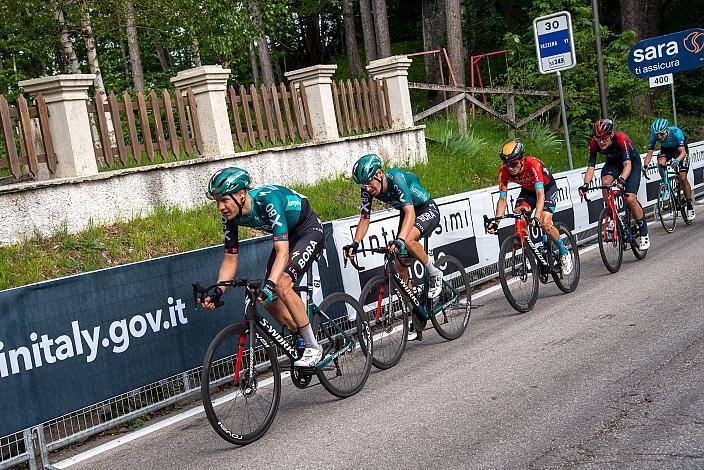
(555, 43)
(672, 53)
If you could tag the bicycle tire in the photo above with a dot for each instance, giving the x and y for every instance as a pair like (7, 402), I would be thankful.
(388, 320)
(683, 206)
(666, 208)
(529, 269)
(568, 283)
(451, 321)
(610, 241)
(218, 365)
(347, 374)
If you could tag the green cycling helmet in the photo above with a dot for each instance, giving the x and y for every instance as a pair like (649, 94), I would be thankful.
(365, 168)
(226, 182)
(659, 126)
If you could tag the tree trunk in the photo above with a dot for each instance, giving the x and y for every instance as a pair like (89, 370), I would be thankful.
(87, 33)
(255, 65)
(351, 40)
(66, 44)
(644, 19)
(163, 56)
(368, 30)
(381, 27)
(263, 47)
(433, 12)
(455, 51)
(311, 30)
(133, 46)
(195, 46)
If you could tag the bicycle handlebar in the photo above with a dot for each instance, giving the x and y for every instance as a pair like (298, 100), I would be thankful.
(657, 165)
(610, 187)
(200, 292)
(382, 251)
(521, 214)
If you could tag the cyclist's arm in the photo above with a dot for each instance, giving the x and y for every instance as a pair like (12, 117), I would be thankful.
(361, 231)
(228, 268)
(627, 165)
(409, 214)
(539, 201)
(365, 212)
(280, 262)
(682, 155)
(502, 203)
(589, 174)
(648, 157)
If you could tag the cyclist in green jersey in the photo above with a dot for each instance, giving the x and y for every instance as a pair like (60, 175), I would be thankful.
(419, 213)
(298, 241)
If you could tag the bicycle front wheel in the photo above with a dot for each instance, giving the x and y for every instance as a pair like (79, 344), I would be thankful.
(347, 345)
(240, 407)
(610, 240)
(667, 210)
(568, 283)
(388, 315)
(452, 308)
(518, 275)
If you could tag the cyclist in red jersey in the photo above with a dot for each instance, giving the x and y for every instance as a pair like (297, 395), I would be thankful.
(538, 191)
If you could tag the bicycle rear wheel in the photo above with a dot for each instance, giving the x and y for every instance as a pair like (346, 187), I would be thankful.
(345, 374)
(518, 275)
(452, 308)
(569, 282)
(667, 211)
(240, 411)
(683, 206)
(610, 240)
(388, 314)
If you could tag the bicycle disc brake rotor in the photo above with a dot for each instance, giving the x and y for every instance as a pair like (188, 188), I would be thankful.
(248, 384)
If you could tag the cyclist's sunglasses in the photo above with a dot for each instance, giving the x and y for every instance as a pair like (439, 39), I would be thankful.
(368, 185)
(513, 163)
(662, 135)
(604, 138)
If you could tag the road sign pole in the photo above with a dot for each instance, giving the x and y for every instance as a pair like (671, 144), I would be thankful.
(599, 62)
(674, 107)
(564, 119)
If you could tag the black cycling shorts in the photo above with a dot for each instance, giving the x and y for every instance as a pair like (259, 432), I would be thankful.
(529, 199)
(305, 245)
(427, 218)
(633, 180)
(670, 153)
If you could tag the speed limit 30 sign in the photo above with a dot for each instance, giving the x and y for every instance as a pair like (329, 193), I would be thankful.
(554, 42)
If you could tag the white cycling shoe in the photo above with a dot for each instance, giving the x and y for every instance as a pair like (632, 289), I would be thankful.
(691, 214)
(435, 285)
(566, 264)
(643, 242)
(311, 356)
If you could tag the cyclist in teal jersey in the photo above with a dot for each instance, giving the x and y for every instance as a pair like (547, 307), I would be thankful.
(673, 148)
(419, 213)
(298, 241)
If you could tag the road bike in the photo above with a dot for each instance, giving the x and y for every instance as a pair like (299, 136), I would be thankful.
(390, 300)
(530, 257)
(670, 197)
(242, 366)
(615, 230)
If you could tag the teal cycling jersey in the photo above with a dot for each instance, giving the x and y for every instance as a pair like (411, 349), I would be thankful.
(675, 139)
(403, 188)
(275, 209)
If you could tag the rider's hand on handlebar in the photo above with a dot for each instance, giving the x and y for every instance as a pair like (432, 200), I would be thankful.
(583, 189)
(397, 245)
(210, 302)
(351, 250)
(492, 227)
(621, 183)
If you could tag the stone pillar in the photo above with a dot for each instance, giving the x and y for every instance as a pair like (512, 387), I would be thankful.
(67, 99)
(317, 86)
(394, 71)
(209, 85)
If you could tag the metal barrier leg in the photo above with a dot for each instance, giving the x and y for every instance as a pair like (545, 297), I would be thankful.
(43, 452)
(29, 448)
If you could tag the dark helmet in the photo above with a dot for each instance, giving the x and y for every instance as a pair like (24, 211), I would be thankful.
(659, 126)
(603, 127)
(365, 168)
(227, 181)
(512, 150)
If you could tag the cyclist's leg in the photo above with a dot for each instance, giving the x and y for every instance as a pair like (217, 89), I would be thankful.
(277, 308)
(525, 201)
(686, 188)
(427, 220)
(631, 191)
(608, 174)
(662, 159)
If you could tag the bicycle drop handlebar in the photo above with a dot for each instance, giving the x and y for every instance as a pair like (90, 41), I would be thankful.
(609, 187)
(382, 251)
(657, 165)
(200, 292)
(522, 214)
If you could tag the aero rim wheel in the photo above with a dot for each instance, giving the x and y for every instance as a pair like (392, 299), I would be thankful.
(610, 240)
(242, 411)
(567, 283)
(388, 320)
(347, 332)
(452, 308)
(518, 275)
(667, 211)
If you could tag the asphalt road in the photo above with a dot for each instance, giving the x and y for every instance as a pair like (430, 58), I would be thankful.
(610, 376)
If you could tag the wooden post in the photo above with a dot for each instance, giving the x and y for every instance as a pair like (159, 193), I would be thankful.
(511, 114)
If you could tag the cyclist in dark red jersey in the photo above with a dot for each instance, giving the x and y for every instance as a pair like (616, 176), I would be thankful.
(622, 163)
(538, 191)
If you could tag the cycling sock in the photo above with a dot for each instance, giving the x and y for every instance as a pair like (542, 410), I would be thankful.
(561, 246)
(309, 337)
(689, 205)
(432, 270)
(642, 227)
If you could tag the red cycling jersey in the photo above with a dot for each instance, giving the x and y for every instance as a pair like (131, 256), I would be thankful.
(533, 172)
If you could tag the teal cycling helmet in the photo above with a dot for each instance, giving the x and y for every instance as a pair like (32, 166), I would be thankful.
(226, 182)
(659, 126)
(365, 168)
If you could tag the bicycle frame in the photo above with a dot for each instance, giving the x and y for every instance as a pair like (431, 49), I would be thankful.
(522, 224)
